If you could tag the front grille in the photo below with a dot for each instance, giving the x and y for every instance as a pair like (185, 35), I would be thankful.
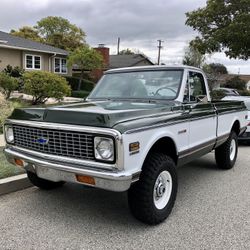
(56, 142)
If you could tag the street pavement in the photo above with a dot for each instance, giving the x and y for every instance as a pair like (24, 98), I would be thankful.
(212, 211)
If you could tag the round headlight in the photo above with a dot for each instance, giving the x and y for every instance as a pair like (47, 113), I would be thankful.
(9, 134)
(104, 148)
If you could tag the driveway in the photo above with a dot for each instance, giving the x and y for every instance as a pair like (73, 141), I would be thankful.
(212, 211)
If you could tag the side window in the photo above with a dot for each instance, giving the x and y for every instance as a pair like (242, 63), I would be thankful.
(197, 89)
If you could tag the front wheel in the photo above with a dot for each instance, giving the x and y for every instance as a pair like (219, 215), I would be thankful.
(226, 154)
(152, 198)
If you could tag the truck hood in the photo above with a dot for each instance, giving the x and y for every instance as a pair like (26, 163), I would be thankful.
(109, 114)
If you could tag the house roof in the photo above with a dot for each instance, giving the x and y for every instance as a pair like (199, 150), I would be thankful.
(120, 61)
(14, 42)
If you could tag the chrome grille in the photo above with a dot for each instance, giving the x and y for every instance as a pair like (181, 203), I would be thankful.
(57, 142)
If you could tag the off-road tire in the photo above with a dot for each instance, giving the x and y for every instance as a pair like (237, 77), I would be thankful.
(140, 194)
(222, 153)
(42, 183)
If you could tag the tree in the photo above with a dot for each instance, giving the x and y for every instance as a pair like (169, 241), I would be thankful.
(43, 85)
(224, 25)
(28, 33)
(59, 32)
(126, 52)
(236, 83)
(214, 71)
(86, 59)
(193, 57)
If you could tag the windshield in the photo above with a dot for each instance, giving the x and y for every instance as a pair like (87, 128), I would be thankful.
(163, 84)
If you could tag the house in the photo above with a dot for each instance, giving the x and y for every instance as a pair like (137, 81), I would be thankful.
(115, 61)
(30, 55)
(120, 61)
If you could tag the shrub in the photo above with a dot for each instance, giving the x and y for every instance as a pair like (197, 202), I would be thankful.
(7, 84)
(6, 109)
(80, 94)
(217, 94)
(43, 85)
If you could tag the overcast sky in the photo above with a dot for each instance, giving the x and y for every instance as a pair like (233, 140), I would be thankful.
(138, 23)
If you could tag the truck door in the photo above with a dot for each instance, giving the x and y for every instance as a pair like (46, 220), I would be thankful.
(202, 116)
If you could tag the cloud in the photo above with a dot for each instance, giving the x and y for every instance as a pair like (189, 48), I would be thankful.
(139, 23)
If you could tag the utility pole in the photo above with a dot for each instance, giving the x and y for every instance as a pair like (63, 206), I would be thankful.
(118, 46)
(159, 50)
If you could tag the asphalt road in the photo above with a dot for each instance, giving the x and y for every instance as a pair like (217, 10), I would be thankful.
(212, 211)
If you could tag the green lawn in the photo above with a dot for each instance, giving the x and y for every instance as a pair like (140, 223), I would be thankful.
(7, 169)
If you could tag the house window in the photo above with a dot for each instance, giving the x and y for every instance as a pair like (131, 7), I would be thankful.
(60, 65)
(32, 62)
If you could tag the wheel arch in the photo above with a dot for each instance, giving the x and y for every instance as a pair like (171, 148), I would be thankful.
(236, 127)
(165, 145)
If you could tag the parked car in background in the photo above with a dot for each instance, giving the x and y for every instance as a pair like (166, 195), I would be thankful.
(245, 136)
(228, 91)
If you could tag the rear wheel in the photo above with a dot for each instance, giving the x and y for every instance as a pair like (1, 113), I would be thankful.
(152, 198)
(226, 154)
(42, 183)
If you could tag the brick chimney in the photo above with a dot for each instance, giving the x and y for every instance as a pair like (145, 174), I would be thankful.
(104, 51)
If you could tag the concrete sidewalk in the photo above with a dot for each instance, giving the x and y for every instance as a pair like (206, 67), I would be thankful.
(2, 141)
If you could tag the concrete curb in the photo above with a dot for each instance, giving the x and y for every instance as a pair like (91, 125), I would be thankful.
(2, 142)
(14, 183)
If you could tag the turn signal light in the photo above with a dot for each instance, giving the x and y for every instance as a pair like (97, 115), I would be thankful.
(85, 179)
(19, 162)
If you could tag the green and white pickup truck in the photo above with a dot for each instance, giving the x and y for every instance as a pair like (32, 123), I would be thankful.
(130, 134)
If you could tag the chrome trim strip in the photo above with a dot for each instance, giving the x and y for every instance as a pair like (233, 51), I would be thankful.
(203, 117)
(221, 112)
(131, 131)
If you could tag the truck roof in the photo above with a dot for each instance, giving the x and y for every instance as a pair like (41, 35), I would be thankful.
(152, 67)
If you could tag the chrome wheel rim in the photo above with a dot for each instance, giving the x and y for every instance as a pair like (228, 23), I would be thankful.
(232, 149)
(162, 189)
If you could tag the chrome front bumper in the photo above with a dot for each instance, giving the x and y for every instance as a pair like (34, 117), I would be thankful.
(59, 171)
